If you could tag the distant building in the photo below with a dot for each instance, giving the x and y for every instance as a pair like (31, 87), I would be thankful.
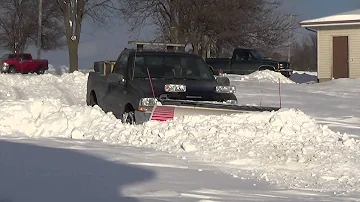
(338, 45)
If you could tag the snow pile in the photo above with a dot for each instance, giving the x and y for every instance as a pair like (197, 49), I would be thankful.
(285, 147)
(304, 77)
(70, 88)
(57, 70)
(261, 76)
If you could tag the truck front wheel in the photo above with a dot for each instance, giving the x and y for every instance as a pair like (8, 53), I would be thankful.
(92, 101)
(12, 70)
(266, 68)
(128, 115)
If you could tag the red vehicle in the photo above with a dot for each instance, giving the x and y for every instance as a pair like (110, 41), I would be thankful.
(22, 63)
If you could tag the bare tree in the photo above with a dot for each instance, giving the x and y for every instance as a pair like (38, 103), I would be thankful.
(304, 55)
(74, 12)
(18, 29)
(217, 24)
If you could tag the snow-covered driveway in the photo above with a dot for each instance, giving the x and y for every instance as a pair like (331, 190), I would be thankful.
(286, 148)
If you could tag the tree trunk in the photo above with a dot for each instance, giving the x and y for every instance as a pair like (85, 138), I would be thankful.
(173, 23)
(73, 47)
(72, 19)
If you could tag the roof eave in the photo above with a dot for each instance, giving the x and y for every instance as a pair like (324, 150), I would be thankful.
(329, 23)
(314, 26)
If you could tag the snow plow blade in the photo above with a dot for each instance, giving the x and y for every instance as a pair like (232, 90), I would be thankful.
(169, 111)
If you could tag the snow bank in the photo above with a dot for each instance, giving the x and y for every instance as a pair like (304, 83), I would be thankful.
(304, 77)
(70, 88)
(58, 70)
(285, 147)
(261, 76)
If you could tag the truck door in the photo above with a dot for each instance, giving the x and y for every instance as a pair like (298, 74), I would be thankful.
(25, 62)
(243, 62)
(116, 94)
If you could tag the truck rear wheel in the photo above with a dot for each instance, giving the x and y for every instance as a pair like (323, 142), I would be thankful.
(41, 70)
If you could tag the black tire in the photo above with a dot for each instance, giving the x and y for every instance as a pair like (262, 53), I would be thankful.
(41, 70)
(266, 68)
(128, 117)
(93, 99)
(286, 74)
(12, 70)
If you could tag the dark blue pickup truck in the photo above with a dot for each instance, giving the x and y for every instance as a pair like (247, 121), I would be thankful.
(141, 80)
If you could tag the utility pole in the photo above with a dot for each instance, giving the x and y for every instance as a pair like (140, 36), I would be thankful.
(290, 36)
(39, 31)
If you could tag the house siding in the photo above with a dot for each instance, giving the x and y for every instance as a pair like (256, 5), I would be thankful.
(325, 50)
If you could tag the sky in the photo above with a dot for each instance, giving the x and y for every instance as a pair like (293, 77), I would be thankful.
(107, 43)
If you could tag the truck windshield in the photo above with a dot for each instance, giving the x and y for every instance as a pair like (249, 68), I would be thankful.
(8, 56)
(171, 67)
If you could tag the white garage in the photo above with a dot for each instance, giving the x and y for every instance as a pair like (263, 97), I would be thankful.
(338, 45)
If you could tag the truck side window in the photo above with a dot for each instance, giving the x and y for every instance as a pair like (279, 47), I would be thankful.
(121, 65)
(242, 55)
(25, 57)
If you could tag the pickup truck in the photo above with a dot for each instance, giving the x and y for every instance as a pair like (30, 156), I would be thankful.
(22, 63)
(246, 61)
(140, 79)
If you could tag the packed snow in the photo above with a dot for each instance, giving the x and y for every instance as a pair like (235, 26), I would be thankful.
(268, 76)
(288, 148)
(68, 88)
(58, 170)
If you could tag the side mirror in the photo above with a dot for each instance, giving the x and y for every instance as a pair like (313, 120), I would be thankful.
(224, 81)
(116, 78)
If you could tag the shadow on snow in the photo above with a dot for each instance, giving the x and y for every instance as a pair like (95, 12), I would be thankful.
(34, 173)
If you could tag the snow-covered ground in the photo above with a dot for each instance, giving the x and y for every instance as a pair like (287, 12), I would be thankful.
(294, 154)
(334, 103)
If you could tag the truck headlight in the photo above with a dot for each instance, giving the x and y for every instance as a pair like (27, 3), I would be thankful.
(147, 104)
(5, 66)
(175, 88)
(225, 89)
